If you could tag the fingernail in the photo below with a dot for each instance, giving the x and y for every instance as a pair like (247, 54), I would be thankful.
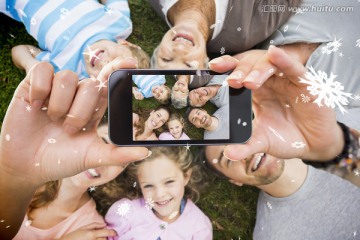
(252, 76)
(148, 155)
(216, 60)
(70, 129)
(234, 160)
(37, 104)
(237, 75)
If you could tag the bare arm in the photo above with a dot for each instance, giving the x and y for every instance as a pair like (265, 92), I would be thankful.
(23, 56)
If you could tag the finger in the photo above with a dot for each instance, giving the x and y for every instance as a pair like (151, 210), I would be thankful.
(40, 81)
(117, 63)
(62, 94)
(102, 154)
(94, 225)
(287, 65)
(242, 151)
(83, 106)
(223, 64)
(103, 233)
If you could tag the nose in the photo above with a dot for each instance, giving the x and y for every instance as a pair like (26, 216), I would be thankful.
(159, 192)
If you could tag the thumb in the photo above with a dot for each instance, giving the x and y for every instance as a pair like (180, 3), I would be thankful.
(239, 152)
(103, 154)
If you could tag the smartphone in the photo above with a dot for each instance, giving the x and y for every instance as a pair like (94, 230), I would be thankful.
(149, 107)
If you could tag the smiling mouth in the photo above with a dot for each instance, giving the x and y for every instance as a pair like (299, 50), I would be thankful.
(163, 203)
(153, 123)
(203, 119)
(96, 57)
(258, 159)
(183, 38)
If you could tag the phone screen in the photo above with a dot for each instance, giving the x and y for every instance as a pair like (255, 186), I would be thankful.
(162, 107)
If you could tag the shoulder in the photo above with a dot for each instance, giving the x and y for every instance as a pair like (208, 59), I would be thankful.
(196, 214)
(122, 208)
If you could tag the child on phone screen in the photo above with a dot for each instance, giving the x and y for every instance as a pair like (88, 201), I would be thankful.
(158, 206)
(77, 35)
(151, 86)
(175, 125)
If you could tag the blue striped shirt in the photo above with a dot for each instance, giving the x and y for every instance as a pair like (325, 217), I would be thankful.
(64, 28)
(146, 82)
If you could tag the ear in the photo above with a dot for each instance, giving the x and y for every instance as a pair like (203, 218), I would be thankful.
(236, 182)
(123, 42)
(187, 176)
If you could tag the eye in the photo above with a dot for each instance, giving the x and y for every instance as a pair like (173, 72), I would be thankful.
(148, 186)
(188, 65)
(166, 60)
(169, 181)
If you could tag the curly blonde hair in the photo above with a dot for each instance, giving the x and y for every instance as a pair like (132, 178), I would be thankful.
(125, 185)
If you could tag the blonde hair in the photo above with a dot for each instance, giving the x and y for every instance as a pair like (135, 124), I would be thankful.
(166, 100)
(141, 56)
(126, 186)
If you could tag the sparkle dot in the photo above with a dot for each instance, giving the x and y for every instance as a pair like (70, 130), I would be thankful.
(271, 70)
(281, 74)
(239, 121)
(97, 109)
(214, 161)
(134, 184)
(271, 41)
(100, 160)
(244, 124)
(62, 85)
(51, 140)
(7, 226)
(238, 29)
(7, 137)
(84, 129)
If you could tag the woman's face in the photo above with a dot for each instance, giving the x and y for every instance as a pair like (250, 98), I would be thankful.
(175, 128)
(157, 119)
(182, 47)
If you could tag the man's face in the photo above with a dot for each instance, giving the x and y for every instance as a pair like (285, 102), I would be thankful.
(256, 170)
(200, 96)
(182, 47)
(159, 92)
(200, 118)
(180, 89)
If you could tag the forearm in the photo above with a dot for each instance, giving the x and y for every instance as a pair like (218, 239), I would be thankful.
(15, 198)
(23, 56)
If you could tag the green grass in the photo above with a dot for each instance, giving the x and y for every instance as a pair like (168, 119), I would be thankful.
(230, 208)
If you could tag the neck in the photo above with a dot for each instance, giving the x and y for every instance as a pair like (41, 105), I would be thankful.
(200, 14)
(68, 193)
(214, 124)
(290, 181)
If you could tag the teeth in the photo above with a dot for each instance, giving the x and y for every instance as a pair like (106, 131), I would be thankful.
(181, 39)
(257, 161)
(163, 202)
(93, 172)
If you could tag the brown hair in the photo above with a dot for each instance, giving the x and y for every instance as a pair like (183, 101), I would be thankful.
(143, 116)
(125, 185)
(45, 194)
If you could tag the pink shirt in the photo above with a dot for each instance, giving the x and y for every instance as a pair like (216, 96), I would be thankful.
(83, 216)
(133, 221)
(168, 136)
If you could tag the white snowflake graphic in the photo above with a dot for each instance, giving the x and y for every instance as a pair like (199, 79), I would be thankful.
(238, 29)
(222, 50)
(187, 147)
(215, 161)
(269, 205)
(341, 54)
(277, 134)
(101, 85)
(271, 42)
(149, 203)
(271, 70)
(32, 51)
(91, 53)
(92, 189)
(287, 105)
(28, 108)
(331, 47)
(64, 13)
(123, 209)
(286, 28)
(357, 43)
(108, 11)
(356, 172)
(304, 98)
(325, 88)
(194, 64)
(33, 21)
(134, 184)
(52, 140)
(298, 145)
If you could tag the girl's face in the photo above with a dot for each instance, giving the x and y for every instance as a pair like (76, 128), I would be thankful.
(163, 183)
(175, 128)
(157, 119)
